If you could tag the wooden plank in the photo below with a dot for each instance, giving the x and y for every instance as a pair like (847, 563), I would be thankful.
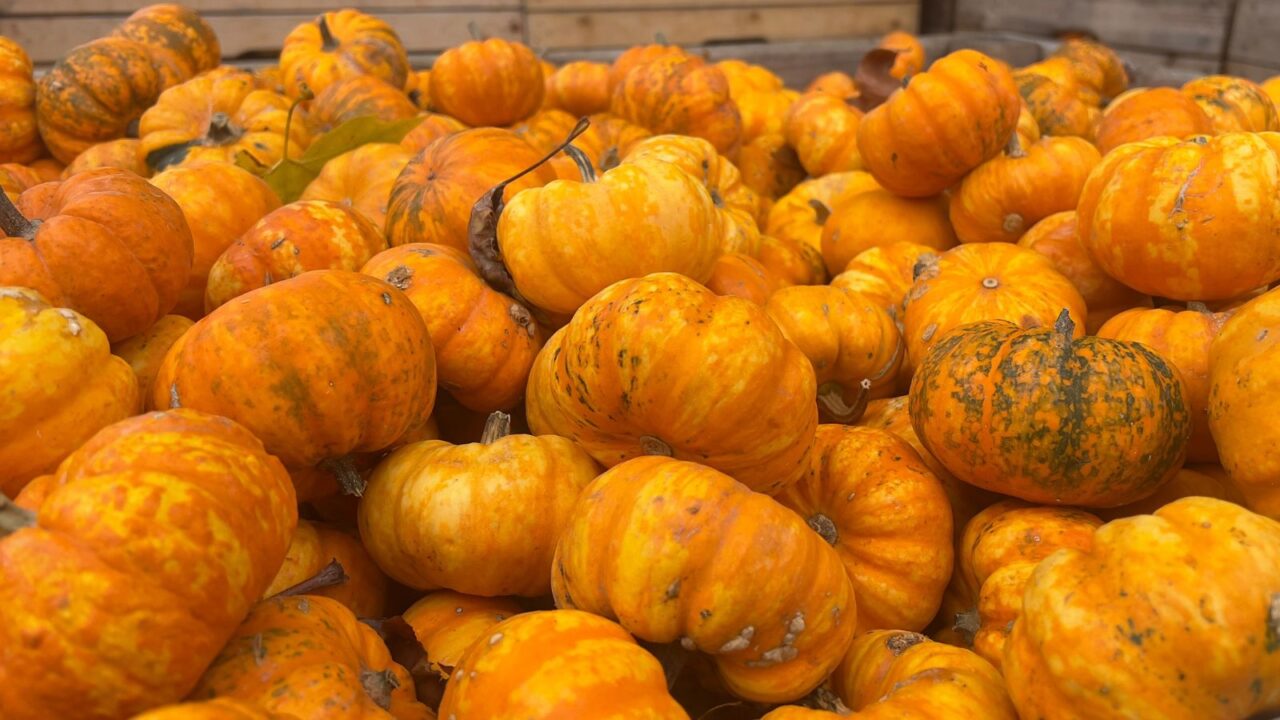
(1254, 36)
(676, 5)
(311, 7)
(1257, 73)
(1190, 27)
(709, 25)
(47, 38)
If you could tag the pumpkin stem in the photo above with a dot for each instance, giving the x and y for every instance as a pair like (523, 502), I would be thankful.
(378, 685)
(221, 130)
(967, 623)
(474, 29)
(1064, 326)
(496, 427)
(329, 576)
(824, 526)
(660, 38)
(1014, 147)
(824, 699)
(1197, 306)
(650, 445)
(820, 210)
(14, 223)
(12, 517)
(327, 42)
(344, 469)
(831, 401)
(304, 94)
(583, 162)
(610, 159)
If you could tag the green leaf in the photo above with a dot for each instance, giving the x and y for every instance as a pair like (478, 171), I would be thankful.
(290, 177)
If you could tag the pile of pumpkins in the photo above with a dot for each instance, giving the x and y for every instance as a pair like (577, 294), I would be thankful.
(644, 389)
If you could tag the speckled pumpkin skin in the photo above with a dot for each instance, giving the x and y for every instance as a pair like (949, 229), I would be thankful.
(309, 657)
(629, 372)
(559, 663)
(61, 385)
(341, 44)
(358, 96)
(1172, 615)
(220, 709)
(870, 496)
(1047, 418)
(155, 539)
(490, 82)
(1145, 114)
(180, 42)
(1233, 104)
(315, 545)
(358, 391)
(1059, 109)
(19, 139)
(730, 572)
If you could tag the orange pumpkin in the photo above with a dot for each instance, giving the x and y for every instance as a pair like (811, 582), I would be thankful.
(1005, 196)
(1233, 104)
(580, 88)
(616, 137)
(681, 95)
(1271, 86)
(884, 274)
(94, 94)
(626, 377)
(301, 236)
(1132, 602)
(78, 389)
(599, 672)
(638, 55)
(1146, 114)
(763, 111)
(742, 276)
(985, 281)
(219, 709)
(853, 344)
(358, 96)
(314, 546)
(910, 59)
(145, 352)
(446, 623)
(220, 201)
(1055, 238)
(104, 243)
(548, 128)
(19, 139)
(1048, 418)
(837, 83)
(180, 42)
(125, 154)
(878, 217)
(873, 499)
(944, 123)
(341, 44)
(153, 542)
(771, 168)
(823, 129)
(1243, 377)
(799, 216)
(1058, 109)
(724, 548)
(1094, 66)
(1144, 213)
(487, 82)
(361, 179)
(432, 127)
(1198, 480)
(16, 179)
(791, 263)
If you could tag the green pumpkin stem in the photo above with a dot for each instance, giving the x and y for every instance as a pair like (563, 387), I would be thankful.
(496, 427)
(14, 223)
(329, 576)
(14, 518)
(304, 94)
(967, 623)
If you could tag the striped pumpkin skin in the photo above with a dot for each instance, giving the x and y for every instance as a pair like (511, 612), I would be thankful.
(1039, 416)
(180, 42)
(341, 44)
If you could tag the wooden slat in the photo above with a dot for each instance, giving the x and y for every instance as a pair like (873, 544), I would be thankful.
(47, 38)
(1196, 27)
(1257, 73)
(1254, 39)
(626, 27)
(677, 6)
(311, 7)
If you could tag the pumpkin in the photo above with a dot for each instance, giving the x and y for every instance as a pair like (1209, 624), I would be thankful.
(744, 76)
(358, 96)
(417, 86)
(884, 274)
(432, 198)
(763, 112)
(145, 352)
(910, 59)
(269, 77)
(823, 129)
(286, 242)
(627, 377)
(771, 168)
(742, 578)
(136, 237)
(737, 202)
(871, 497)
(1143, 212)
(580, 88)
(1147, 114)
(220, 201)
(1182, 336)
(836, 82)
(562, 243)
(423, 498)
(799, 216)
(48, 169)
(181, 44)
(879, 217)
(853, 344)
(218, 116)
(446, 623)
(153, 542)
(1058, 109)
(1200, 480)
(1133, 603)
(558, 663)
(124, 153)
(547, 129)
(1243, 377)
(984, 281)
(1005, 196)
(432, 127)
(680, 95)
(638, 55)
(1095, 66)
(314, 545)
(893, 673)
(742, 276)
(309, 401)
(946, 121)
(1055, 238)
(1043, 416)
(219, 709)
(19, 139)
(361, 179)
(16, 179)
(791, 263)
(61, 382)
(616, 137)
(94, 94)
(1233, 104)
(1000, 549)
(308, 656)
(487, 82)
(337, 45)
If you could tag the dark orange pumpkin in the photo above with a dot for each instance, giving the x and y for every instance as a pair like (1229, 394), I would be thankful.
(884, 274)
(799, 216)
(771, 168)
(341, 44)
(1233, 104)
(791, 263)
(1145, 114)
(910, 59)
(19, 139)
(742, 276)
(16, 179)
(358, 96)
(681, 95)
(837, 83)
(878, 217)
(124, 153)
(823, 129)
(361, 179)
(1058, 109)
(145, 352)
(487, 82)
(432, 127)
(312, 548)
(638, 55)
(181, 43)
(580, 88)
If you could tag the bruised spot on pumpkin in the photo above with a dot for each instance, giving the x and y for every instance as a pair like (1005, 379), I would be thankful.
(379, 685)
(900, 642)
(741, 641)
(400, 277)
(673, 590)
(1273, 624)
(386, 298)
(258, 649)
